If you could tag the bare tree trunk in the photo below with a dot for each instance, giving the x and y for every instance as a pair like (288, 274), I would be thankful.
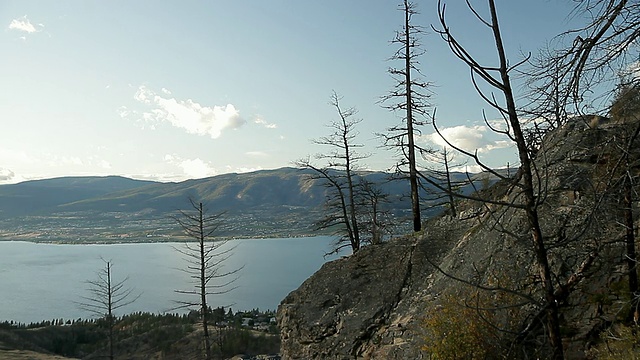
(205, 262)
(352, 201)
(106, 297)
(530, 204)
(409, 96)
(413, 174)
(203, 283)
(110, 310)
(376, 236)
(452, 204)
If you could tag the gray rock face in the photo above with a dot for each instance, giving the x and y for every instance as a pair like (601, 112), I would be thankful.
(372, 305)
(366, 299)
(356, 299)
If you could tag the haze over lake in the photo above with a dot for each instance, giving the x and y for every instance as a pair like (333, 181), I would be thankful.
(44, 281)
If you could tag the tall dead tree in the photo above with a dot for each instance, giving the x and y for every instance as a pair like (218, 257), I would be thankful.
(409, 96)
(498, 78)
(340, 176)
(205, 259)
(106, 296)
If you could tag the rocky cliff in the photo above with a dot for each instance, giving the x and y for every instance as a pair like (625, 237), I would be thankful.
(386, 301)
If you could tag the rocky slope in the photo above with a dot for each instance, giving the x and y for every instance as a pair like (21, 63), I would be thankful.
(380, 303)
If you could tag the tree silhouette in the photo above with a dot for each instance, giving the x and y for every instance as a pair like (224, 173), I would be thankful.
(345, 203)
(410, 97)
(205, 258)
(106, 296)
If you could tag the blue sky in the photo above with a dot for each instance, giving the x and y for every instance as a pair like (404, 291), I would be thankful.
(171, 90)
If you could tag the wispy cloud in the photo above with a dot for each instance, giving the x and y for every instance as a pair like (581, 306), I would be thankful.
(188, 114)
(6, 175)
(23, 24)
(263, 122)
(192, 168)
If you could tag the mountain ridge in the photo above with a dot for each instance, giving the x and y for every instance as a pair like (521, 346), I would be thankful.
(278, 202)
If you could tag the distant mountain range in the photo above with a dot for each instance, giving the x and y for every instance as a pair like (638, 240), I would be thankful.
(283, 201)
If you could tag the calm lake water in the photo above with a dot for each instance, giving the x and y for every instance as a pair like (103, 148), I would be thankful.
(45, 281)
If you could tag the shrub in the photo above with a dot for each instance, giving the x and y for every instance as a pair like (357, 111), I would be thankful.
(474, 323)
(458, 331)
(620, 342)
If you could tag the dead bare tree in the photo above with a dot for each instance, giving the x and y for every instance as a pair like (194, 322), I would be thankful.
(375, 223)
(498, 78)
(343, 203)
(205, 259)
(577, 73)
(106, 296)
(410, 96)
(440, 173)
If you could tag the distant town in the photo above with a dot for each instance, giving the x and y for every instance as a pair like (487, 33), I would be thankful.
(123, 227)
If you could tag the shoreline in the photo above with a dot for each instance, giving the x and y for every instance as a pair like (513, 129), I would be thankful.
(148, 241)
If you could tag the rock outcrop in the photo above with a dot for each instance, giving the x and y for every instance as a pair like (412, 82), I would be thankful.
(372, 305)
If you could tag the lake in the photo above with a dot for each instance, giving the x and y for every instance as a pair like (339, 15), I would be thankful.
(45, 281)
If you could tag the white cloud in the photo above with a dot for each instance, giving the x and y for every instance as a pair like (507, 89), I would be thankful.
(6, 175)
(499, 124)
(500, 144)
(472, 169)
(123, 112)
(468, 138)
(23, 24)
(263, 122)
(192, 168)
(188, 114)
(197, 168)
